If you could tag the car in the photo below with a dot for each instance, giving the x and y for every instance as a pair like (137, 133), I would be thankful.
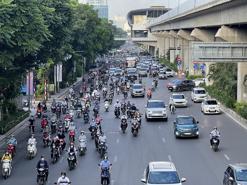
(118, 72)
(186, 126)
(171, 84)
(183, 85)
(143, 72)
(156, 109)
(199, 81)
(137, 90)
(132, 74)
(210, 106)
(112, 71)
(170, 72)
(162, 173)
(198, 94)
(178, 100)
(235, 174)
(162, 75)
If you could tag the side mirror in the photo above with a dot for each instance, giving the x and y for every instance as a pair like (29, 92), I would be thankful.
(183, 179)
(231, 179)
(197, 122)
(174, 122)
(144, 181)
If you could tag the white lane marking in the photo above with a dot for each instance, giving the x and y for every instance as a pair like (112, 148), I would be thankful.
(237, 121)
(170, 158)
(227, 157)
(163, 140)
(112, 182)
(117, 141)
(115, 159)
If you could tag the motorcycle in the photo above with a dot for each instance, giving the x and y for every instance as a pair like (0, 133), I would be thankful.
(149, 96)
(107, 106)
(31, 150)
(102, 149)
(53, 126)
(105, 176)
(104, 94)
(82, 147)
(41, 177)
(78, 113)
(86, 117)
(117, 112)
(72, 135)
(54, 154)
(53, 109)
(6, 168)
(93, 132)
(123, 109)
(66, 124)
(39, 114)
(134, 129)
(71, 160)
(64, 109)
(46, 139)
(215, 143)
(124, 124)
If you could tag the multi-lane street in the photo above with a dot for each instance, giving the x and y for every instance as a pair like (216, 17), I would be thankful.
(194, 159)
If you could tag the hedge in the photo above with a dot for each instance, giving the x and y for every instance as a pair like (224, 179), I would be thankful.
(12, 120)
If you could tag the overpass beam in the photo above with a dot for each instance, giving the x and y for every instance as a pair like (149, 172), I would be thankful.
(185, 34)
(236, 35)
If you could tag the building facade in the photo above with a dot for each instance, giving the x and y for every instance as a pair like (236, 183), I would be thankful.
(101, 6)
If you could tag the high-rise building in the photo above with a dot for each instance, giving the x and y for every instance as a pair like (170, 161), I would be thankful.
(101, 6)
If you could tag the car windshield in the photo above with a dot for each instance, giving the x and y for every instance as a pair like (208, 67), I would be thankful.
(200, 92)
(118, 70)
(166, 177)
(142, 69)
(137, 86)
(185, 120)
(131, 72)
(211, 102)
(178, 96)
(168, 70)
(156, 104)
(241, 175)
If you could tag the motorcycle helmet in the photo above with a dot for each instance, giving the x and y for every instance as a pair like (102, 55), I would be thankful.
(82, 132)
(105, 158)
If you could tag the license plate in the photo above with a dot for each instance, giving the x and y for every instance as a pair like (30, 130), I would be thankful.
(187, 133)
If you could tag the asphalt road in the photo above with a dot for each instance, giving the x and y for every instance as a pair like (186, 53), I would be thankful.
(193, 158)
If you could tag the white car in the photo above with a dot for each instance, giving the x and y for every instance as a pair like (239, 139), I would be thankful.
(170, 73)
(162, 173)
(162, 75)
(178, 100)
(156, 109)
(210, 106)
(198, 94)
(199, 81)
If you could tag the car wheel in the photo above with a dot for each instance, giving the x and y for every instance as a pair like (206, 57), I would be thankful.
(166, 119)
(146, 118)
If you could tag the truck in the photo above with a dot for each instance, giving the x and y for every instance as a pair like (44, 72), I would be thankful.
(131, 62)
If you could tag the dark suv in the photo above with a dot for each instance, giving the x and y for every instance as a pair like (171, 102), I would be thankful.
(183, 85)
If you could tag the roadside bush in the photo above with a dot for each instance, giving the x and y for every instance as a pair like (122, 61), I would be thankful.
(241, 109)
(221, 96)
(167, 63)
(192, 77)
(10, 121)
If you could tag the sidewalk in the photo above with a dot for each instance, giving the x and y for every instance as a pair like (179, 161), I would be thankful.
(22, 125)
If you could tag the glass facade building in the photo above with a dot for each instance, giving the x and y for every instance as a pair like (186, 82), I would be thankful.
(101, 6)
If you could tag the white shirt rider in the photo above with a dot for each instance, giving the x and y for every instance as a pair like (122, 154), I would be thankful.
(214, 133)
(32, 140)
(117, 105)
(102, 138)
(63, 180)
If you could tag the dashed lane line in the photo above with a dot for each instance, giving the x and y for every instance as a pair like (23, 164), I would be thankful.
(170, 158)
(227, 157)
(163, 140)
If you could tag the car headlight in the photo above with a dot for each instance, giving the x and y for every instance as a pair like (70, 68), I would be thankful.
(174, 87)
(197, 132)
(149, 112)
(177, 133)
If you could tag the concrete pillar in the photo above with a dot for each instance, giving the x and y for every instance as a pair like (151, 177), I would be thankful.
(236, 35)
(161, 45)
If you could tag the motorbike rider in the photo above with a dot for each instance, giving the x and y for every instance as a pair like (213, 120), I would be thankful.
(92, 125)
(82, 137)
(13, 141)
(102, 138)
(117, 104)
(63, 180)
(149, 92)
(72, 149)
(105, 165)
(42, 163)
(172, 108)
(32, 140)
(215, 133)
(31, 124)
(6, 157)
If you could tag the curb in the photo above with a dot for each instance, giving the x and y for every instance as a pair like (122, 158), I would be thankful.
(236, 117)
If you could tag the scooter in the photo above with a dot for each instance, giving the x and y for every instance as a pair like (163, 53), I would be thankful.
(124, 124)
(71, 160)
(215, 143)
(6, 168)
(31, 150)
(134, 129)
(82, 147)
(107, 106)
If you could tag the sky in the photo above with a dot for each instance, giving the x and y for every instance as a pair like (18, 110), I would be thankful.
(118, 9)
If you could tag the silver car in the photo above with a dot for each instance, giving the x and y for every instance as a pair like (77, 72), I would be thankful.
(137, 90)
(156, 109)
(178, 100)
